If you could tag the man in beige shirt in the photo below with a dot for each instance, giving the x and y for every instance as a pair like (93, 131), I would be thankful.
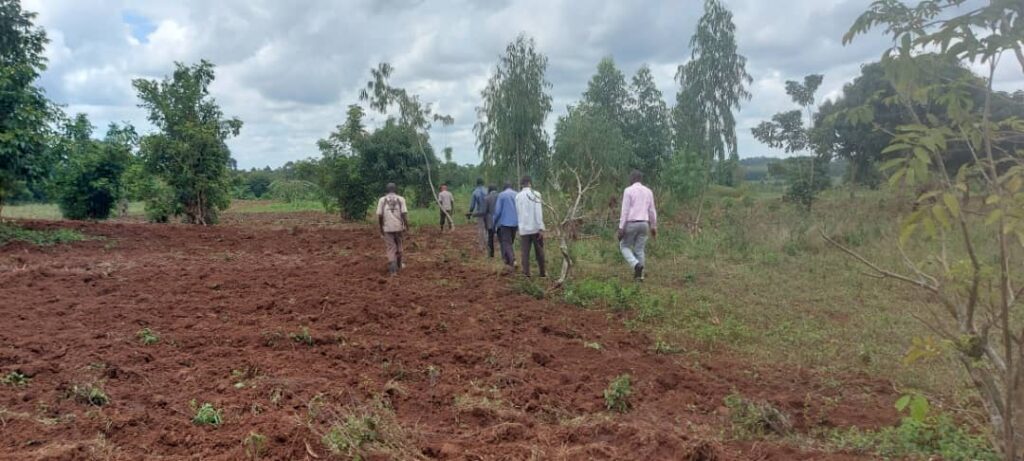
(393, 218)
(447, 203)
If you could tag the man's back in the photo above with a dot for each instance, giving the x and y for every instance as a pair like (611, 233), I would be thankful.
(505, 209)
(390, 207)
(446, 199)
(530, 210)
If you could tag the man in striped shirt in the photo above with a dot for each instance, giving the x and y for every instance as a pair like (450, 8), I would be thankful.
(638, 219)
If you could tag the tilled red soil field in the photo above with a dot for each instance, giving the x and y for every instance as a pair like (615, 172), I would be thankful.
(443, 362)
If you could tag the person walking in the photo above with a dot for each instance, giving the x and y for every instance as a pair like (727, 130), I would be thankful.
(638, 219)
(477, 209)
(490, 202)
(446, 201)
(531, 225)
(393, 219)
(506, 221)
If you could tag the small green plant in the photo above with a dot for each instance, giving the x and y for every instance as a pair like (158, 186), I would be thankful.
(617, 395)
(935, 437)
(529, 287)
(255, 445)
(205, 414)
(755, 419)
(90, 394)
(147, 337)
(15, 379)
(349, 436)
(303, 336)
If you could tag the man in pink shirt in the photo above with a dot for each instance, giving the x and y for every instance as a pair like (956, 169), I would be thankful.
(639, 218)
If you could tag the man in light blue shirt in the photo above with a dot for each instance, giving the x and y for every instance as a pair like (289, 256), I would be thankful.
(531, 225)
(506, 220)
(476, 208)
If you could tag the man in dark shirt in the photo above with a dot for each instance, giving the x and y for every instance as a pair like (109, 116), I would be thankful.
(486, 215)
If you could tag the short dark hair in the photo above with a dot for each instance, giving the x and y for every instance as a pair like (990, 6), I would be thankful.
(492, 188)
(479, 181)
(526, 180)
(391, 187)
(636, 176)
(508, 184)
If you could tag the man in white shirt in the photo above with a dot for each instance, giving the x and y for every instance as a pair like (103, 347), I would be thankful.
(393, 219)
(447, 204)
(531, 225)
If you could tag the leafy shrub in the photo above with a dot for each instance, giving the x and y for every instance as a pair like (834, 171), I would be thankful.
(90, 184)
(206, 415)
(935, 436)
(616, 396)
(291, 190)
(529, 287)
(350, 435)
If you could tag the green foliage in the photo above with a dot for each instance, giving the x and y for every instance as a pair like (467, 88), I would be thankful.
(807, 177)
(617, 395)
(24, 109)
(147, 337)
(189, 153)
(348, 437)
(529, 287)
(15, 379)
(255, 445)
(303, 336)
(713, 86)
(392, 154)
(205, 414)
(935, 436)
(510, 128)
(90, 182)
(648, 126)
(90, 394)
(292, 190)
(586, 135)
(11, 233)
(756, 419)
(664, 347)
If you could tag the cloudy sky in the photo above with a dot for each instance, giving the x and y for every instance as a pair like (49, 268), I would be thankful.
(289, 69)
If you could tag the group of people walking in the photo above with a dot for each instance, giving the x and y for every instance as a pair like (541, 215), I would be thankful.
(503, 215)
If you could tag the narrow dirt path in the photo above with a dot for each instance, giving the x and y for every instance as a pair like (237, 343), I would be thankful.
(446, 359)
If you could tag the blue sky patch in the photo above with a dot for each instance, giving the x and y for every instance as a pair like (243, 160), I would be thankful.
(139, 25)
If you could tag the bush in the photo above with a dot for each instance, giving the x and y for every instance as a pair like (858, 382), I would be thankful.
(10, 233)
(934, 436)
(756, 419)
(206, 415)
(616, 396)
(91, 183)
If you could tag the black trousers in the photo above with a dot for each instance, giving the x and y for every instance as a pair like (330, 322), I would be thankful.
(507, 238)
(445, 219)
(537, 242)
(490, 242)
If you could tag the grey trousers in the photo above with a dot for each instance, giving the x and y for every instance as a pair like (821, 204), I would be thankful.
(481, 232)
(537, 242)
(507, 237)
(633, 242)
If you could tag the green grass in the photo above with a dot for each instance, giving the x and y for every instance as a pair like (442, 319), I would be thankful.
(51, 212)
(266, 206)
(206, 415)
(760, 281)
(10, 233)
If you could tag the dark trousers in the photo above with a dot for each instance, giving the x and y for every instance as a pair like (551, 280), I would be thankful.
(490, 242)
(507, 237)
(537, 242)
(446, 219)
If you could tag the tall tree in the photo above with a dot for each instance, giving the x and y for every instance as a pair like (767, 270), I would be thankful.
(190, 152)
(648, 125)
(714, 83)
(510, 128)
(584, 135)
(24, 110)
(607, 93)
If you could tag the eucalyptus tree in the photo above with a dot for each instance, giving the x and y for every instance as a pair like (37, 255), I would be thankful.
(607, 93)
(648, 125)
(714, 84)
(510, 122)
(25, 112)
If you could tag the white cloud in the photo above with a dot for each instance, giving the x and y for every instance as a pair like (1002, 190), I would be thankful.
(290, 69)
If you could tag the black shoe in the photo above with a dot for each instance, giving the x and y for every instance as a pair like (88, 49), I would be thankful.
(638, 272)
